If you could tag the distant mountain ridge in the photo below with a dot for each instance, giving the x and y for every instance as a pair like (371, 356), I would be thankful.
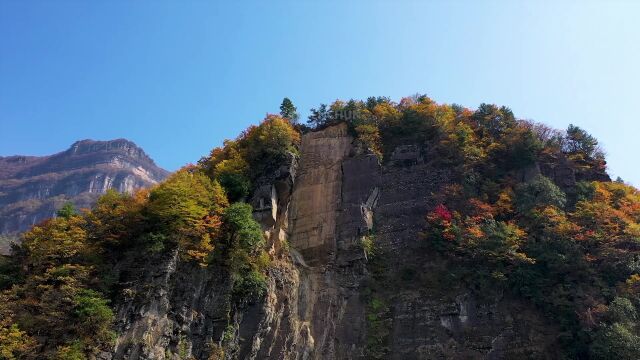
(32, 188)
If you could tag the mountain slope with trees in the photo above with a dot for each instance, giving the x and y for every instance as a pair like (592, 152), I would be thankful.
(457, 233)
(33, 188)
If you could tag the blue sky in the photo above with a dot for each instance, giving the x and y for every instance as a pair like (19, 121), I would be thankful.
(178, 77)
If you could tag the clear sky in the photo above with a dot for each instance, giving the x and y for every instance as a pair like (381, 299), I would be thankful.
(177, 77)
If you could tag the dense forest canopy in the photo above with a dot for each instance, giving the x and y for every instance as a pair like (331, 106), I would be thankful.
(571, 248)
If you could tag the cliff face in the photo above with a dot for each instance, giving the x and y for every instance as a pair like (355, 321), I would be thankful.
(327, 297)
(33, 188)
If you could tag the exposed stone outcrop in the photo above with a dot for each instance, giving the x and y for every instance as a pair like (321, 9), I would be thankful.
(315, 212)
(566, 173)
(169, 307)
(312, 309)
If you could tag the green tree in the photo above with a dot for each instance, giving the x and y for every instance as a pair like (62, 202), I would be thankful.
(495, 120)
(288, 110)
(9, 271)
(373, 101)
(521, 148)
(66, 211)
(319, 116)
(615, 342)
(579, 141)
(242, 227)
(94, 314)
(540, 191)
(246, 253)
(73, 351)
(236, 185)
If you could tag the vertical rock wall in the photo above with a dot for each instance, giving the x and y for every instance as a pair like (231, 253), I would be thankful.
(313, 308)
(317, 194)
(315, 215)
(328, 216)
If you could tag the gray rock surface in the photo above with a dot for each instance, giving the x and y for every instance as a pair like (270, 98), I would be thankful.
(316, 213)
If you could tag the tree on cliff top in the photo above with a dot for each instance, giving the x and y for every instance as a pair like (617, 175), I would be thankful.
(252, 154)
(579, 141)
(319, 116)
(289, 111)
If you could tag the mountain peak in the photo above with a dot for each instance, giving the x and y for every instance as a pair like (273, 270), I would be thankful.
(124, 146)
(33, 187)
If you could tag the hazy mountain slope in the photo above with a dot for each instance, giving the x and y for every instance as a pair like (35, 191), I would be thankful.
(32, 188)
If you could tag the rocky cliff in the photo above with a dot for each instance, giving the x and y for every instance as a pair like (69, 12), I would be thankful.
(330, 295)
(32, 188)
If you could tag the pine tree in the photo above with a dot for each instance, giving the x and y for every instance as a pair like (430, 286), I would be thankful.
(288, 110)
(319, 117)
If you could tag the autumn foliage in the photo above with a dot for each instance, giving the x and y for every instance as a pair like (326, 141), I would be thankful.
(58, 286)
(507, 222)
(259, 148)
(504, 220)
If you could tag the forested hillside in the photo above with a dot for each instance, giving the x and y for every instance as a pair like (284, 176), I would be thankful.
(512, 214)
(32, 188)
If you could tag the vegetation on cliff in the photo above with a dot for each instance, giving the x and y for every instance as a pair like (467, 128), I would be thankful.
(577, 262)
(530, 212)
(240, 162)
(57, 287)
(568, 244)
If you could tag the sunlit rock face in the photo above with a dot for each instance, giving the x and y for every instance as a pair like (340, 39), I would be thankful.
(33, 187)
(316, 210)
(326, 297)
